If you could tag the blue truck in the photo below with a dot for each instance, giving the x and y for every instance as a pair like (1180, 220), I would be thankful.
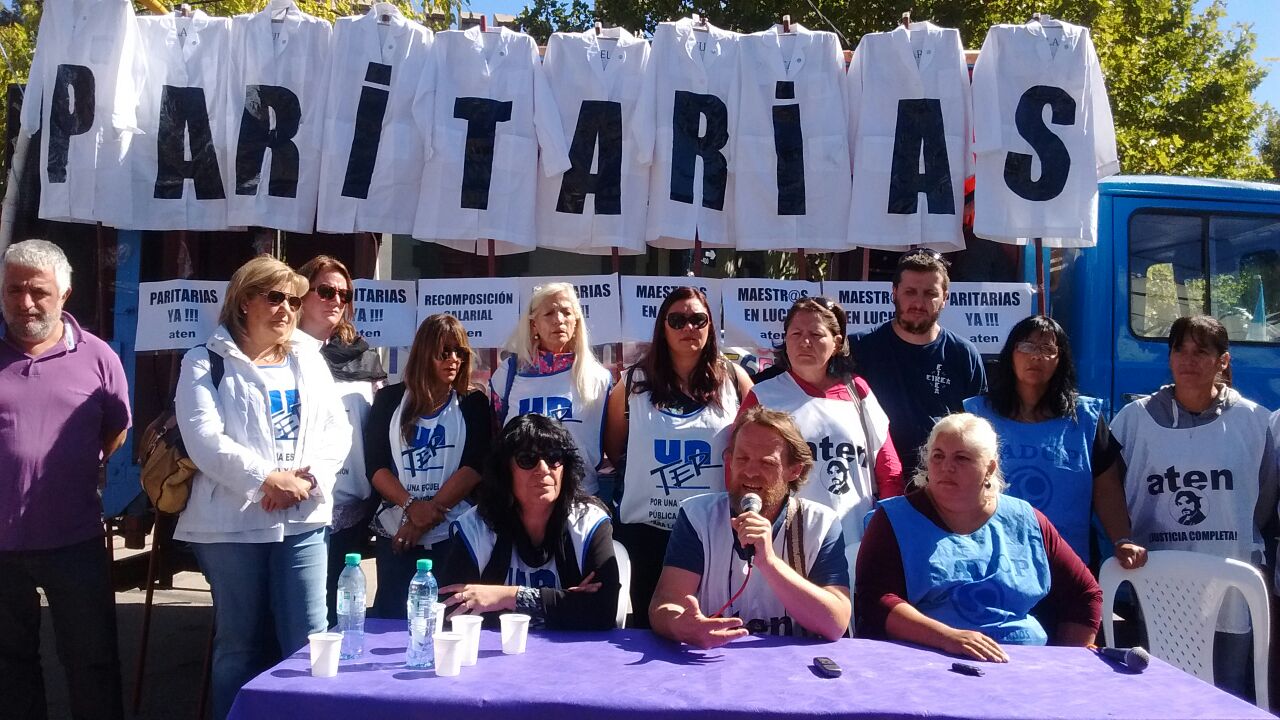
(1168, 247)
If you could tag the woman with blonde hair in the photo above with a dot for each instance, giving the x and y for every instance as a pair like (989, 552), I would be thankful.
(426, 443)
(958, 565)
(552, 371)
(260, 417)
(328, 308)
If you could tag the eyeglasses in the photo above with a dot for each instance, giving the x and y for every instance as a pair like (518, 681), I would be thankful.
(275, 297)
(528, 459)
(1046, 351)
(327, 292)
(677, 321)
(445, 354)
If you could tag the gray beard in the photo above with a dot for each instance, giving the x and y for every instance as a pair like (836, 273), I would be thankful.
(30, 329)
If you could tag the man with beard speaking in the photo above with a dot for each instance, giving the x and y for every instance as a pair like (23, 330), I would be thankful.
(918, 370)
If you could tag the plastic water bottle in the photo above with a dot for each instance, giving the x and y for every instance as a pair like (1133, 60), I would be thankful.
(351, 608)
(423, 592)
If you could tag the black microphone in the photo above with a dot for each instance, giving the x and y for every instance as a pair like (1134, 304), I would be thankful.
(747, 503)
(1135, 658)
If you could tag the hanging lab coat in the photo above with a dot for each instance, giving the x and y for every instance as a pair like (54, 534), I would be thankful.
(279, 190)
(372, 165)
(1046, 82)
(909, 128)
(602, 202)
(478, 185)
(693, 71)
(791, 187)
(82, 173)
(178, 165)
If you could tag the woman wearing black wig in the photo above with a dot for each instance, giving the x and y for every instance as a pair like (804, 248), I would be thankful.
(1055, 445)
(535, 542)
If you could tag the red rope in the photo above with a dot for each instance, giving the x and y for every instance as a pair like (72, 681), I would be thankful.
(732, 600)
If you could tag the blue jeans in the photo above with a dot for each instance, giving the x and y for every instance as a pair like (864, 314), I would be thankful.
(77, 583)
(395, 570)
(267, 598)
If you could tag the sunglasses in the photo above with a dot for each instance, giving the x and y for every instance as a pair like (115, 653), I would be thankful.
(925, 254)
(445, 354)
(1047, 352)
(275, 298)
(327, 292)
(528, 459)
(677, 321)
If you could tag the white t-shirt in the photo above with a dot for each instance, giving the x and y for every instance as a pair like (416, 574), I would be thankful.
(286, 411)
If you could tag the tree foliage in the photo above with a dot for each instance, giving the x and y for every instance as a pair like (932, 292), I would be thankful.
(1269, 148)
(1180, 83)
(544, 17)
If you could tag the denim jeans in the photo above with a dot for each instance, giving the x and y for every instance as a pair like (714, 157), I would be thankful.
(395, 570)
(267, 598)
(77, 583)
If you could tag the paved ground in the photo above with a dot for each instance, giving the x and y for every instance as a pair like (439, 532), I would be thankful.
(180, 623)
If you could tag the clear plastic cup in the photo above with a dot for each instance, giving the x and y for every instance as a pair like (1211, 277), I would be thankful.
(449, 652)
(440, 609)
(469, 627)
(325, 648)
(515, 631)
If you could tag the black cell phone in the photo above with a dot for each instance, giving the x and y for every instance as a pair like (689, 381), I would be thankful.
(966, 669)
(826, 667)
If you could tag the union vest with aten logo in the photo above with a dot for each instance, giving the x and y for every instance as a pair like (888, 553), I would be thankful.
(1195, 489)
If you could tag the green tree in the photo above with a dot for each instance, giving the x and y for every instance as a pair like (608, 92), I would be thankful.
(547, 16)
(1269, 147)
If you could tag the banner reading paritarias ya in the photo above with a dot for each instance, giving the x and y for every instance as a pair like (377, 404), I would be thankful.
(177, 314)
(386, 312)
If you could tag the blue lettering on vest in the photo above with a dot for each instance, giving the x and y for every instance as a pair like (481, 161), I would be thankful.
(426, 446)
(556, 408)
(680, 463)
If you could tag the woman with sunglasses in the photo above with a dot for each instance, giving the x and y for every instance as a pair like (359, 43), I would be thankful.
(535, 543)
(682, 396)
(260, 417)
(327, 313)
(552, 371)
(426, 440)
(855, 462)
(1054, 442)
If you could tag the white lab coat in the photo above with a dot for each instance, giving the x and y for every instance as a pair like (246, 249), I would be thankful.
(362, 47)
(1014, 59)
(813, 62)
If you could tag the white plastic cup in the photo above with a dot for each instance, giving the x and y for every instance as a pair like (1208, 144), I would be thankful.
(325, 648)
(449, 652)
(469, 627)
(515, 631)
(439, 609)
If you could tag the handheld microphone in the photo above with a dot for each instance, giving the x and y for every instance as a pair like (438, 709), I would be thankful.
(747, 503)
(1135, 658)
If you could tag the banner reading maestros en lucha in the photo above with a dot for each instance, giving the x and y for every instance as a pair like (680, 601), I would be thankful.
(753, 309)
(982, 313)
(643, 296)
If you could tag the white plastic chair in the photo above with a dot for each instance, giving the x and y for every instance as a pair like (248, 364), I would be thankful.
(624, 576)
(1180, 594)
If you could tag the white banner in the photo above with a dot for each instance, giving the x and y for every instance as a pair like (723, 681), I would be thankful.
(599, 297)
(753, 309)
(982, 313)
(489, 308)
(177, 314)
(386, 312)
(642, 296)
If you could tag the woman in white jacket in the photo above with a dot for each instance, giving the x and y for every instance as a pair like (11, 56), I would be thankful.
(263, 422)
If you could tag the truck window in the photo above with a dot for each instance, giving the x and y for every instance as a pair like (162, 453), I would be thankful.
(1224, 265)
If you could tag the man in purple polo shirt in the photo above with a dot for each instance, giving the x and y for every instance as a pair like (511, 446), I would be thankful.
(64, 408)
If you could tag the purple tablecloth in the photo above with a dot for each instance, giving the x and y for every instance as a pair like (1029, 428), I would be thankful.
(633, 673)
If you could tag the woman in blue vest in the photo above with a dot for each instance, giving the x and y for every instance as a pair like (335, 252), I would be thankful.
(534, 543)
(668, 425)
(552, 371)
(427, 439)
(957, 565)
(1054, 442)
